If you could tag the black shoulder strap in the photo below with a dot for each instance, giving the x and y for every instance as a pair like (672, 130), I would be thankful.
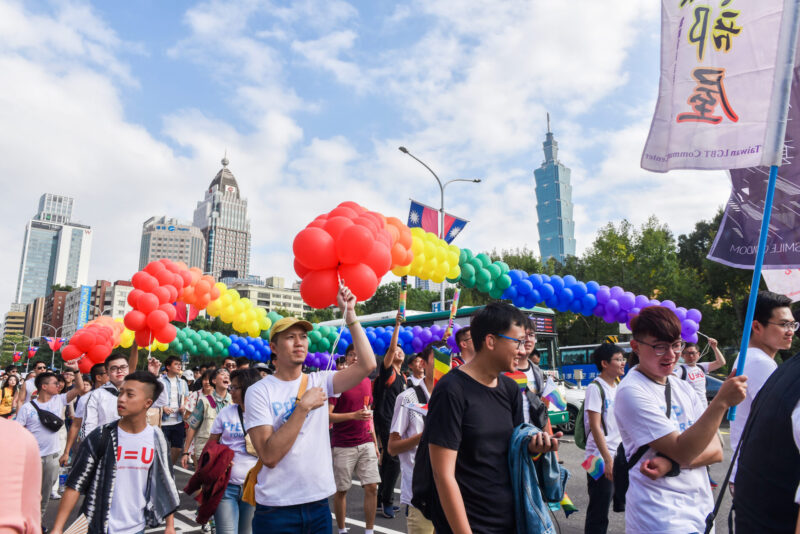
(643, 449)
(684, 372)
(602, 406)
(241, 415)
(420, 394)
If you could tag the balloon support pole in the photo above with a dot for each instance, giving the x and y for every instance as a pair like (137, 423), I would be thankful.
(759, 263)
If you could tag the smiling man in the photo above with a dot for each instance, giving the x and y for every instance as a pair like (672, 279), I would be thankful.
(772, 330)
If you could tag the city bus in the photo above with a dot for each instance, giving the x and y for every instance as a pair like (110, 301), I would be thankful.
(574, 358)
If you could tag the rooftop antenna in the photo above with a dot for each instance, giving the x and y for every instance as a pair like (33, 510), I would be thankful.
(548, 122)
(225, 158)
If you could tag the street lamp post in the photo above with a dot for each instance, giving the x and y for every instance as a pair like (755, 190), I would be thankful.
(55, 334)
(30, 340)
(442, 187)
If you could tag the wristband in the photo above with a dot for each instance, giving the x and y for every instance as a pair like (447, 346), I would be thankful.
(676, 468)
(185, 454)
(350, 325)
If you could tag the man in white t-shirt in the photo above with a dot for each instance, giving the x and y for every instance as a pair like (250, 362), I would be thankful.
(124, 469)
(291, 435)
(405, 433)
(417, 367)
(772, 330)
(674, 440)
(173, 399)
(50, 450)
(602, 433)
(532, 393)
(695, 373)
(26, 393)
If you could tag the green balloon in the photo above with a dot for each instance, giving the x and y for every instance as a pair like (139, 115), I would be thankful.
(467, 271)
(468, 282)
(314, 336)
(226, 342)
(485, 287)
(203, 344)
(496, 293)
(483, 276)
(225, 352)
(494, 271)
(503, 282)
(503, 266)
(209, 351)
(468, 253)
(177, 346)
(484, 259)
(324, 345)
(264, 335)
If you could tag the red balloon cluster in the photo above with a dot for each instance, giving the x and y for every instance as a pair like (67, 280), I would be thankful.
(94, 341)
(352, 243)
(200, 291)
(156, 287)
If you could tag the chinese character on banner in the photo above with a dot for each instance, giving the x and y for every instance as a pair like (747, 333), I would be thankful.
(721, 87)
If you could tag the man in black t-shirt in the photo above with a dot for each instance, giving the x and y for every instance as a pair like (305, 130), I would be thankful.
(471, 416)
(388, 385)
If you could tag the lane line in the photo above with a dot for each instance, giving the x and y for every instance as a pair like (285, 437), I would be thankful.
(361, 524)
(357, 483)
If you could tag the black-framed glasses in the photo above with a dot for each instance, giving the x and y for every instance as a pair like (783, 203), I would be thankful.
(520, 342)
(120, 369)
(661, 348)
(787, 325)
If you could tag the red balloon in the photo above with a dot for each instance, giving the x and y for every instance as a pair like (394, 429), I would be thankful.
(154, 267)
(172, 266)
(133, 297)
(85, 365)
(164, 277)
(149, 284)
(319, 288)
(202, 287)
(135, 320)
(156, 320)
(84, 340)
(147, 303)
(300, 269)
(335, 226)
(187, 278)
(173, 292)
(383, 237)
(361, 280)
(138, 279)
(71, 353)
(98, 353)
(377, 217)
(143, 337)
(162, 294)
(368, 222)
(343, 212)
(316, 223)
(398, 254)
(352, 205)
(167, 333)
(170, 310)
(315, 248)
(379, 259)
(354, 244)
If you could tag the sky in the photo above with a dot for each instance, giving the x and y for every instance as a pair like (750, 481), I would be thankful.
(129, 107)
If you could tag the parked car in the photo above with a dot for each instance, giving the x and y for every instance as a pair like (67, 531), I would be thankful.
(574, 397)
(712, 386)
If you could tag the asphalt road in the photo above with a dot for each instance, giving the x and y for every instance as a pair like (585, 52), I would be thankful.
(569, 454)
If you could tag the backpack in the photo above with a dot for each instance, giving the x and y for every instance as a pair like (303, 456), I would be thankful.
(581, 433)
(622, 465)
(422, 485)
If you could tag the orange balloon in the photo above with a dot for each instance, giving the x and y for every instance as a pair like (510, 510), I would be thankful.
(398, 252)
(405, 237)
(394, 233)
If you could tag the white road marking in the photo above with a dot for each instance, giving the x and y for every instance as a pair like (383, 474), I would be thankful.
(361, 524)
(357, 483)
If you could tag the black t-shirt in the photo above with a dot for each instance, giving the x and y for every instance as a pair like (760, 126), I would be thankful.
(388, 386)
(477, 421)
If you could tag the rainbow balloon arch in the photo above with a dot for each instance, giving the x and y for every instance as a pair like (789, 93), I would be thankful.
(358, 247)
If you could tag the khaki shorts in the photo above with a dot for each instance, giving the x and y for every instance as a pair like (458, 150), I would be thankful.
(416, 522)
(361, 460)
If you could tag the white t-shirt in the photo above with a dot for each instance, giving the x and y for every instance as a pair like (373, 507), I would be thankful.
(696, 377)
(526, 405)
(174, 418)
(416, 381)
(757, 368)
(229, 426)
(669, 505)
(592, 403)
(407, 423)
(30, 388)
(135, 454)
(80, 406)
(100, 409)
(305, 474)
(29, 418)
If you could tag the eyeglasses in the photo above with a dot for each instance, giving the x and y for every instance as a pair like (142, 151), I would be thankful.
(661, 348)
(120, 369)
(530, 335)
(520, 342)
(787, 325)
(37, 368)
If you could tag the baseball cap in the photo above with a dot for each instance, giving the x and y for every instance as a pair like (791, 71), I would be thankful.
(286, 323)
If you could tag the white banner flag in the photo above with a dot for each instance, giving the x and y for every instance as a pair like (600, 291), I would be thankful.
(725, 78)
(784, 282)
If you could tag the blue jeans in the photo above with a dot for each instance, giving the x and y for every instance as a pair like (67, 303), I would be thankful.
(233, 516)
(308, 518)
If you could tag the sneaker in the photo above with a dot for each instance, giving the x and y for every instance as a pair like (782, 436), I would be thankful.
(55, 496)
(205, 528)
(388, 512)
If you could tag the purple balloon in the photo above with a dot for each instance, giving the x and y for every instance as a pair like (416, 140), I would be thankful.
(633, 312)
(417, 344)
(689, 327)
(609, 318)
(655, 302)
(669, 304)
(612, 307)
(694, 315)
(692, 339)
(603, 295)
(599, 310)
(626, 300)
(680, 312)
(641, 302)
(617, 292)
(622, 316)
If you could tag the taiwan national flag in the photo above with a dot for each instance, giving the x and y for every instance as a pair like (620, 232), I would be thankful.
(54, 343)
(427, 218)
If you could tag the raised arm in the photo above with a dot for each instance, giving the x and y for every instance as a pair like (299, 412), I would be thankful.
(133, 357)
(719, 360)
(354, 374)
(388, 358)
(77, 390)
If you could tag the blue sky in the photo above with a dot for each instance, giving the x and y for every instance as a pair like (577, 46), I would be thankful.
(129, 106)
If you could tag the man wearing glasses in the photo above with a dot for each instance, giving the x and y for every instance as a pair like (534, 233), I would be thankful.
(667, 436)
(772, 330)
(27, 392)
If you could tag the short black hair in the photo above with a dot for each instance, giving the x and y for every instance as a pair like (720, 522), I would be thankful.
(246, 378)
(350, 348)
(37, 362)
(10, 368)
(212, 375)
(170, 360)
(114, 356)
(494, 318)
(766, 301)
(657, 321)
(147, 378)
(428, 350)
(60, 378)
(604, 353)
(42, 377)
(242, 360)
(690, 345)
(460, 334)
(97, 370)
(229, 357)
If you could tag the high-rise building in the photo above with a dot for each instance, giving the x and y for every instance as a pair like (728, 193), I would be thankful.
(77, 310)
(14, 323)
(115, 303)
(222, 218)
(54, 310)
(55, 250)
(166, 237)
(34, 317)
(554, 204)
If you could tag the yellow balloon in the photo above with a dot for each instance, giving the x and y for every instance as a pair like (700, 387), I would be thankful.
(437, 279)
(430, 250)
(221, 286)
(417, 231)
(441, 254)
(454, 249)
(214, 308)
(417, 245)
(246, 301)
(228, 314)
(402, 270)
(454, 272)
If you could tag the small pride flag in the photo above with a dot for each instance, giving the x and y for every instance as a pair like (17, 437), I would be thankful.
(552, 394)
(441, 362)
(520, 378)
(565, 504)
(595, 466)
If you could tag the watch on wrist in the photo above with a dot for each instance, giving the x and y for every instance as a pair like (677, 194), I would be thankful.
(676, 468)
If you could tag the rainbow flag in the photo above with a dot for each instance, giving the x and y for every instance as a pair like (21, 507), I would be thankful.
(441, 362)
(520, 378)
(552, 394)
(595, 466)
(567, 506)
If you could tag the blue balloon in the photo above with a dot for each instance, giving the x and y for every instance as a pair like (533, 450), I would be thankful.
(519, 301)
(589, 302)
(546, 291)
(551, 302)
(371, 337)
(570, 280)
(576, 306)
(535, 297)
(380, 346)
(592, 287)
(544, 277)
(524, 287)
(249, 351)
(510, 293)
(578, 290)
(536, 280)
(515, 276)
(565, 296)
